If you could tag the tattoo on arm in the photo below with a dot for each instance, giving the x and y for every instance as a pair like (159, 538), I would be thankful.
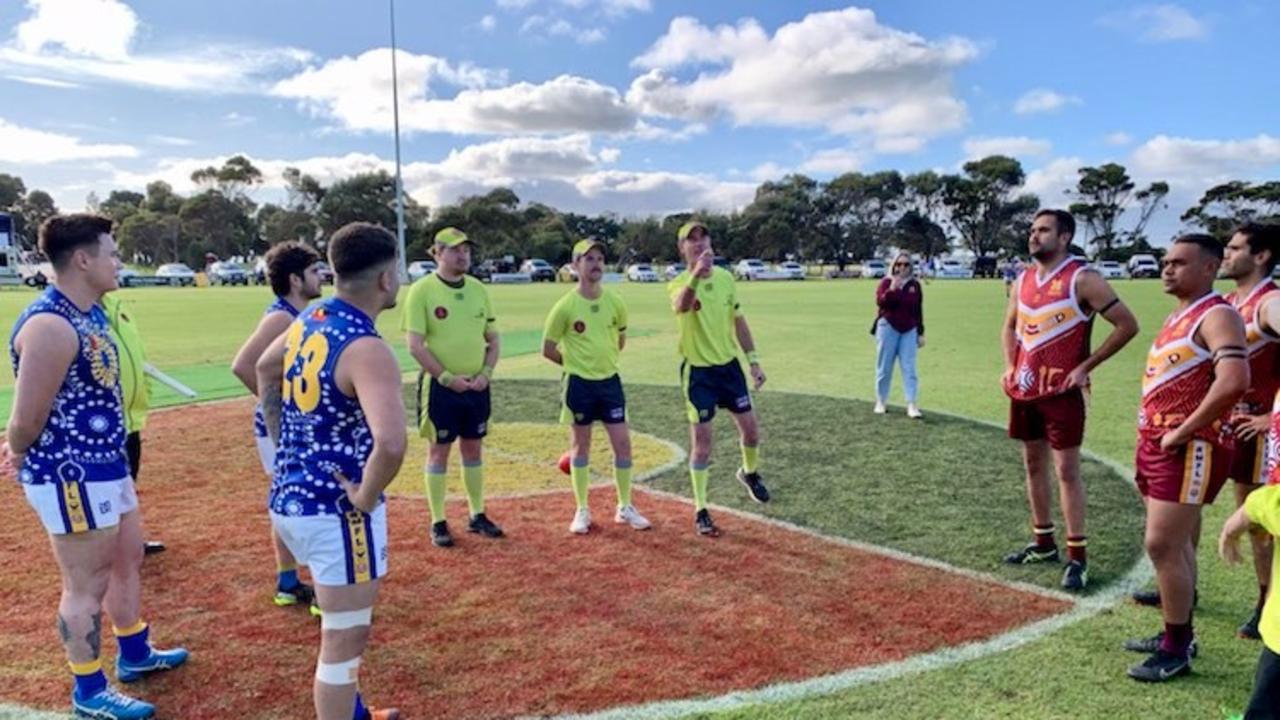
(270, 398)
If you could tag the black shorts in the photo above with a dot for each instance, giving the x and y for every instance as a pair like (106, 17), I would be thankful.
(133, 449)
(586, 401)
(706, 388)
(1265, 703)
(450, 414)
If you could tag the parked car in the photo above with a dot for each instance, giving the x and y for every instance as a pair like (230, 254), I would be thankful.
(873, 268)
(641, 272)
(953, 269)
(749, 269)
(567, 273)
(673, 270)
(1143, 266)
(1111, 270)
(177, 274)
(481, 271)
(227, 273)
(539, 270)
(794, 270)
(720, 261)
(125, 275)
(419, 269)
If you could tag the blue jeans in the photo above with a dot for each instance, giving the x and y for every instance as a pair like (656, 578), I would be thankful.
(891, 345)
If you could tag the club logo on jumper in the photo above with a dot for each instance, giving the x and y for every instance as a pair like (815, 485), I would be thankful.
(103, 361)
(319, 314)
(1055, 287)
(441, 312)
(579, 327)
(1026, 379)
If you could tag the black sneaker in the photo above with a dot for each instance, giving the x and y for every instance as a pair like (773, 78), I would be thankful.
(151, 547)
(1076, 576)
(1032, 554)
(1160, 667)
(754, 485)
(1249, 630)
(703, 524)
(482, 525)
(1152, 644)
(301, 593)
(1151, 598)
(440, 536)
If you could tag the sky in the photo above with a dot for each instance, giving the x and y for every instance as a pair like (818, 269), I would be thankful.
(635, 107)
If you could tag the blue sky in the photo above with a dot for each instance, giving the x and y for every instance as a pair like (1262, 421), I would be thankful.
(634, 106)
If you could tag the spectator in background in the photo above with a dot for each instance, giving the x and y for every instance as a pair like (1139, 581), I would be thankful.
(1010, 274)
(899, 331)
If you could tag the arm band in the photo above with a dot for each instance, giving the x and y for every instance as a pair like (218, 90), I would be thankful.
(1230, 352)
(487, 372)
(753, 357)
(1114, 301)
(444, 378)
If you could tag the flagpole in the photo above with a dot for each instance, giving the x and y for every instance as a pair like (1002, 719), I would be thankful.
(395, 103)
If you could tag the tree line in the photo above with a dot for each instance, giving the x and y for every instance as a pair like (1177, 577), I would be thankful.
(982, 209)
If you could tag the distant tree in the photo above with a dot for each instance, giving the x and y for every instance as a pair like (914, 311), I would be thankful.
(367, 197)
(234, 180)
(916, 233)
(12, 190)
(31, 212)
(1104, 194)
(120, 204)
(984, 206)
(1222, 207)
(864, 207)
(162, 199)
(215, 223)
(149, 237)
(777, 223)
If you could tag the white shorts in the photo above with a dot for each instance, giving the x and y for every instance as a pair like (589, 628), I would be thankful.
(339, 549)
(70, 507)
(267, 455)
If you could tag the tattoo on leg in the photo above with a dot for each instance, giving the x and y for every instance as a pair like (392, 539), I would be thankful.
(94, 638)
(64, 631)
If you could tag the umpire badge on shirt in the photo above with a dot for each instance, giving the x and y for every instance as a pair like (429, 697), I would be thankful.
(579, 327)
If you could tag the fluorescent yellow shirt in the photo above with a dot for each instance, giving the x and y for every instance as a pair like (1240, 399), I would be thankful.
(1263, 508)
(707, 332)
(451, 320)
(134, 391)
(587, 332)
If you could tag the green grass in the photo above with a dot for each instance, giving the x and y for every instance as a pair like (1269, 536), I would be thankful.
(813, 340)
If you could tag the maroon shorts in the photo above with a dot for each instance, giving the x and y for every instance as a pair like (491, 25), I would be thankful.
(1250, 463)
(1056, 418)
(1191, 474)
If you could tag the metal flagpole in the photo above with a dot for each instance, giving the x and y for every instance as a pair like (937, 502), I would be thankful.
(395, 103)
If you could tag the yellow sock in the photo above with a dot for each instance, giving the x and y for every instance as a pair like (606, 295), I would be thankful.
(622, 480)
(437, 485)
(473, 479)
(750, 458)
(698, 473)
(580, 474)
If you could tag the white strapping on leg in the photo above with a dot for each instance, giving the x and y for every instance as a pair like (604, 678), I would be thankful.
(346, 672)
(346, 620)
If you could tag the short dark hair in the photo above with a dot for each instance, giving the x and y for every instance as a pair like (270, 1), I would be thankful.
(62, 235)
(1208, 244)
(285, 259)
(1262, 236)
(359, 246)
(1062, 219)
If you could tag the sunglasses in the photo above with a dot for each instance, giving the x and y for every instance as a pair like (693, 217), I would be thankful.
(898, 265)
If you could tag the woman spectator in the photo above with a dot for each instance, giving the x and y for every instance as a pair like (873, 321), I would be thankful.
(899, 331)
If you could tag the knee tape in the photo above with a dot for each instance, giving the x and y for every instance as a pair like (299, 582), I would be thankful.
(346, 672)
(346, 620)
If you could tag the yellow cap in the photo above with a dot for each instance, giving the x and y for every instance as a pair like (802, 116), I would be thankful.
(452, 237)
(688, 227)
(582, 247)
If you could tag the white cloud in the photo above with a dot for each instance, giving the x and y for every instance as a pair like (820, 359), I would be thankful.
(1051, 181)
(1206, 161)
(514, 4)
(1042, 100)
(170, 140)
(235, 119)
(488, 23)
(28, 146)
(93, 39)
(840, 70)
(1159, 23)
(1016, 147)
(610, 155)
(357, 93)
(44, 82)
(1118, 138)
(768, 171)
(833, 162)
(648, 131)
(548, 27)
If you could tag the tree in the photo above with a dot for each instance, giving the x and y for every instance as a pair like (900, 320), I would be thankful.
(865, 207)
(162, 199)
(983, 206)
(916, 233)
(1103, 193)
(31, 212)
(234, 179)
(644, 240)
(778, 221)
(149, 237)
(120, 204)
(277, 225)
(214, 223)
(366, 197)
(302, 192)
(1225, 206)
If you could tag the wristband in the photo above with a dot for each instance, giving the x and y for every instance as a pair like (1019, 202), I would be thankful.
(753, 357)
(487, 372)
(445, 378)
(693, 282)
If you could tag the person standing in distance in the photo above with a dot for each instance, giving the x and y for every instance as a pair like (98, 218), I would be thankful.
(66, 441)
(330, 393)
(712, 332)
(450, 330)
(293, 271)
(1047, 364)
(584, 333)
(899, 331)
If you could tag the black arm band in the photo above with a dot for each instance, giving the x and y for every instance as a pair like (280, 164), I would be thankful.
(1114, 301)
(1230, 352)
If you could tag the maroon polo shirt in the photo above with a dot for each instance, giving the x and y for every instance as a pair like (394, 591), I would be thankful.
(902, 308)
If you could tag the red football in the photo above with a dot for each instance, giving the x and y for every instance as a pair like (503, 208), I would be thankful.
(565, 460)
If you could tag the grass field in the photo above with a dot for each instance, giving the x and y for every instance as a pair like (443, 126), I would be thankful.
(953, 491)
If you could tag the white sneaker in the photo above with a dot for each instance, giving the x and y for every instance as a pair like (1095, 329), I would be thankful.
(914, 412)
(879, 409)
(581, 524)
(630, 515)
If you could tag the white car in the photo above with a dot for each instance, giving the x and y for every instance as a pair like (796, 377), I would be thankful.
(749, 269)
(177, 274)
(125, 275)
(539, 270)
(642, 272)
(874, 268)
(953, 269)
(793, 270)
(673, 270)
(419, 269)
(1144, 266)
(1111, 270)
